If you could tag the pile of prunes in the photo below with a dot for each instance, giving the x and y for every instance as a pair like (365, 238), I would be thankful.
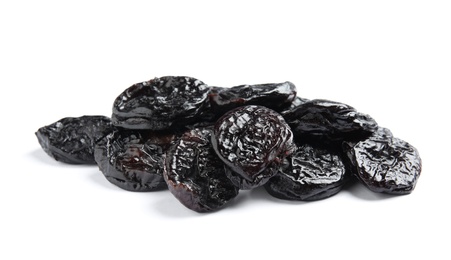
(207, 143)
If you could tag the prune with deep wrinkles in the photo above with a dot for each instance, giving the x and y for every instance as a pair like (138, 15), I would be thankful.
(72, 139)
(271, 95)
(161, 103)
(313, 173)
(329, 121)
(385, 163)
(195, 175)
(133, 160)
(251, 138)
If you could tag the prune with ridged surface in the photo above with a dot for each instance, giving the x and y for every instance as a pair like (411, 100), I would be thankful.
(161, 103)
(385, 163)
(251, 138)
(271, 95)
(195, 175)
(326, 120)
(72, 139)
(313, 173)
(133, 160)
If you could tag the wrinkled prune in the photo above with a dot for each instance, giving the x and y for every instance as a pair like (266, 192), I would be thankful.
(72, 139)
(133, 160)
(161, 103)
(385, 163)
(329, 121)
(195, 175)
(313, 174)
(249, 139)
(272, 95)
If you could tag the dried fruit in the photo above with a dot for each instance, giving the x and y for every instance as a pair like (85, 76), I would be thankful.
(161, 103)
(384, 163)
(313, 173)
(328, 121)
(251, 138)
(271, 95)
(133, 160)
(195, 175)
(72, 139)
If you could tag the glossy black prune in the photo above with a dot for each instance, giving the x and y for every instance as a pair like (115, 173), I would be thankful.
(195, 175)
(313, 173)
(161, 103)
(133, 160)
(272, 95)
(385, 163)
(329, 121)
(72, 139)
(251, 138)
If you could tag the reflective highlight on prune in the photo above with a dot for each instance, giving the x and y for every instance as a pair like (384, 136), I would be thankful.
(71, 139)
(272, 95)
(249, 139)
(313, 173)
(161, 103)
(385, 163)
(133, 160)
(329, 121)
(195, 175)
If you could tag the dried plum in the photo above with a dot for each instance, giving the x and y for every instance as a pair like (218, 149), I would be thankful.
(326, 120)
(251, 138)
(271, 95)
(72, 139)
(313, 173)
(195, 175)
(385, 163)
(133, 160)
(161, 103)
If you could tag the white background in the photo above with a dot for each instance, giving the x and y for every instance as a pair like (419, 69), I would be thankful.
(390, 59)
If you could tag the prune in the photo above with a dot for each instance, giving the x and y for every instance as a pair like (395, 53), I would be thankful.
(385, 163)
(133, 160)
(72, 139)
(313, 173)
(251, 138)
(329, 121)
(271, 95)
(195, 175)
(161, 103)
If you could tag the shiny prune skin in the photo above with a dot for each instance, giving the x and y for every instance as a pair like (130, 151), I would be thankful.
(249, 139)
(384, 163)
(313, 173)
(72, 139)
(293, 105)
(195, 175)
(272, 95)
(329, 121)
(133, 160)
(161, 103)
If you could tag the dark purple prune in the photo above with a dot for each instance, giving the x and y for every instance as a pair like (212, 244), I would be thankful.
(251, 138)
(195, 175)
(72, 139)
(133, 160)
(271, 95)
(326, 120)
(161, 103)
(313, 173)
(384, 163)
